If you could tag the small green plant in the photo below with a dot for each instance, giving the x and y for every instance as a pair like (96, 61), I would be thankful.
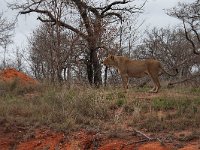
(163, 104)
(195, 90)
(120, 102)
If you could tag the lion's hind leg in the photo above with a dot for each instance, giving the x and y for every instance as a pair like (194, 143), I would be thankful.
(152, 90)
(156, 83)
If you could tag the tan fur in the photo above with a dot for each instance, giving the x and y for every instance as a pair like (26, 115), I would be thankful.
(135, 68)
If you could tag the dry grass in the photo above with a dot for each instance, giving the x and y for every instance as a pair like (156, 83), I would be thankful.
(102, 109)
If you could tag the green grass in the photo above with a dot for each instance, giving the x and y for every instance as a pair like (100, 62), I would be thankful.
(171, 114)
(195, 90)
(181, 105)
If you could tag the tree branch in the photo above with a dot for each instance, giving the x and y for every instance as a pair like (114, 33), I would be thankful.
(108, 7)
(84, 15)
(189, 39)
(114, 14)
(52, 19)
(184, 80)
(195, 31)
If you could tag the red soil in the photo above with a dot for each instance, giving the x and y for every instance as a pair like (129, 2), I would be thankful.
(155, 146)
(82, 140)
(11, 74)
(42, 140)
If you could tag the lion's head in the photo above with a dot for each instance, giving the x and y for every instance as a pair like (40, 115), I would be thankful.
(109, 61)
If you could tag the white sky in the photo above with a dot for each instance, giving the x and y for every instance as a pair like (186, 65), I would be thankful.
(154, 15)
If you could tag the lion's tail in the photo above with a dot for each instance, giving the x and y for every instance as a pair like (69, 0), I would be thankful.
(164, 71)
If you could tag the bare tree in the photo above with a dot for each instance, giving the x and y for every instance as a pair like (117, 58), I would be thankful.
(189, 14)
(89, 14)
(51, 61)
(6, 29)
(6, 34)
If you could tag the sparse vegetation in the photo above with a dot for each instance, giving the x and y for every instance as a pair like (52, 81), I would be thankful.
(69, 109)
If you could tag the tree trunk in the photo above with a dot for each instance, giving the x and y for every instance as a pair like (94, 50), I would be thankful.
(97, 70)
(94, 68)
(89, 70)
(105, 76)
(59, 74)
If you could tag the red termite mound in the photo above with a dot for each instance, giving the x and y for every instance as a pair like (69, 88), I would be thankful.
(11, 74)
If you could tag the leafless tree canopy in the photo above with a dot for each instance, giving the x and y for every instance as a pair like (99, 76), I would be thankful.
(6, 33)
(57, 56)
(6, 29)
(190, 16)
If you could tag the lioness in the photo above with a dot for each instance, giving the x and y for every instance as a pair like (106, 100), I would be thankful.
(136, 68)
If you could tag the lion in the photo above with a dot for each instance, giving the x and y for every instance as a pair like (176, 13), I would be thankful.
(136, 68)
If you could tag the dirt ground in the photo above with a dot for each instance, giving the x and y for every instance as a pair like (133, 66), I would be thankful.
(42, 139)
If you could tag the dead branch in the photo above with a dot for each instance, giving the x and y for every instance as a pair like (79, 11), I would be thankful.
(147, 139)
(184, 80)
(139, 132)
(108, 7)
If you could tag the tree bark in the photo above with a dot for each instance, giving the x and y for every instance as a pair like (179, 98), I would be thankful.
(89, 70)
(97, 69)
(59, 74)
(94, 68)
(105, 76)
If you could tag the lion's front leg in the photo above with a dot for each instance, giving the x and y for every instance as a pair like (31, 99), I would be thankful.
(125, 81)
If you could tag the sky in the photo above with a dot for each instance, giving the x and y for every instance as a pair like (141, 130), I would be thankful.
(154, 15)
(155, 12)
